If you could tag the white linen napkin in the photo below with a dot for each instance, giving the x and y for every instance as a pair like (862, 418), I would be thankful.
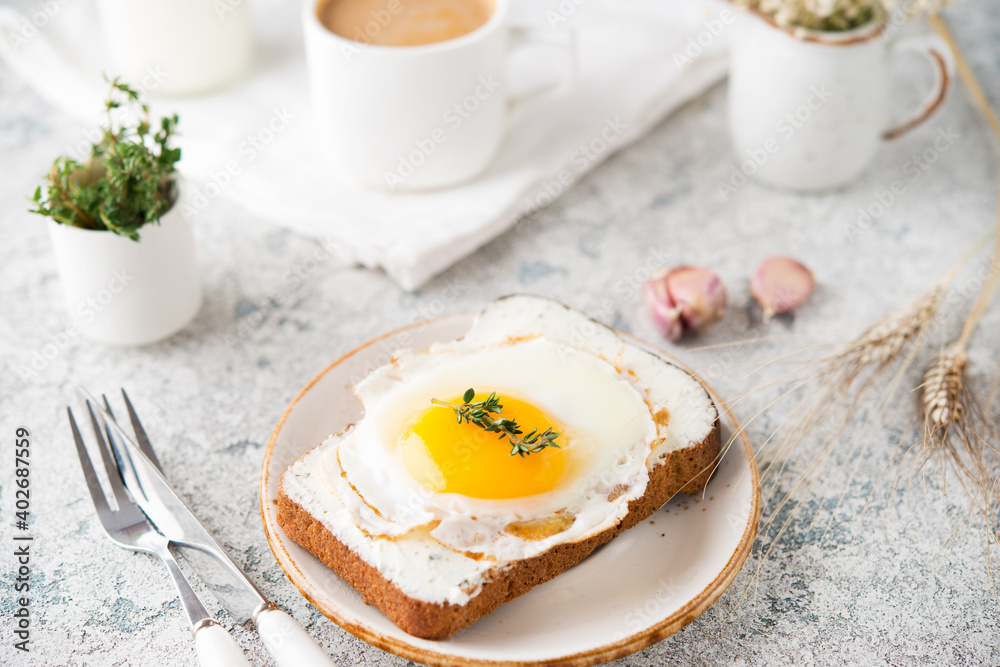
(254, 142)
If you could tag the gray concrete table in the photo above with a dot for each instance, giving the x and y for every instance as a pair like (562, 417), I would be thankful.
(897, 584)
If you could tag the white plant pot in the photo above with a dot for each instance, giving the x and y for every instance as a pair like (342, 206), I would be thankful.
(808, 109)
(122, 292)
(177, 47)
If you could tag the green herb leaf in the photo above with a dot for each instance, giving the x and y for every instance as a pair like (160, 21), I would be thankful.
(478, 413)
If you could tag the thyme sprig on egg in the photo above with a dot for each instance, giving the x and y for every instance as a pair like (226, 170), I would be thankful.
(479, 413)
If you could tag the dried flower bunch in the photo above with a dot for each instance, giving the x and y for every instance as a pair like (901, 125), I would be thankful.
(835, 15)
(128, 180)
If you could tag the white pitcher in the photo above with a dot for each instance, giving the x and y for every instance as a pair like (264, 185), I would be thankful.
(808, 109)
(183, 47)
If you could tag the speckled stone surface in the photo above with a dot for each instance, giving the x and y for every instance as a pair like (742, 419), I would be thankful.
(902, 583)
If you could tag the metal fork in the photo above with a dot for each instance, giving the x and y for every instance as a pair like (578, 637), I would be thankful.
(129, 528)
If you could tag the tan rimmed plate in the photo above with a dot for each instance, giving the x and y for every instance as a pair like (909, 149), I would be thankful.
(644, 585)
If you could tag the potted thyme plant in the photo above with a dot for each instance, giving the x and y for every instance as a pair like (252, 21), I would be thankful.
(809, 87)
(124, 250)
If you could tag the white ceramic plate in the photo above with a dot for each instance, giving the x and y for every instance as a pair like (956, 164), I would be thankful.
(644, 585)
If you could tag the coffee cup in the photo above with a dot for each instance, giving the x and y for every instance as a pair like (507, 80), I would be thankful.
(404, 115)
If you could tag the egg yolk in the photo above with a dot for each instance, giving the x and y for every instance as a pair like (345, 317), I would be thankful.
(449, 457)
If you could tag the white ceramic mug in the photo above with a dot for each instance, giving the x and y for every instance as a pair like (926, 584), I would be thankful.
(177, 47)
(808, 110)
(417, 117)
(126, 292)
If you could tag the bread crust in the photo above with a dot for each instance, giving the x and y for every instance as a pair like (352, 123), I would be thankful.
(685, 470)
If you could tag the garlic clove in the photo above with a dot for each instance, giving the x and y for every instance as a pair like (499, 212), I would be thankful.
(781, 284)
(661, 308)
(699, 294)
(686, 298)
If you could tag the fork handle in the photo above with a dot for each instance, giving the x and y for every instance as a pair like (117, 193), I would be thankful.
(216, 647)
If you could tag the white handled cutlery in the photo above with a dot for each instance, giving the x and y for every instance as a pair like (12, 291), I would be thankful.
(138, 470)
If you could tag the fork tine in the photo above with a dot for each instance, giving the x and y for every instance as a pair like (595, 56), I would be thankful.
(123, 457)
(89, 474)
(118, 451)
(140, 433)
(114, 475)
(107, 406)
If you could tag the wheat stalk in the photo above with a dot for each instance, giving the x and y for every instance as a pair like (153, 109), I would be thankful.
(955, 432)
(954, 428)
(965, 73)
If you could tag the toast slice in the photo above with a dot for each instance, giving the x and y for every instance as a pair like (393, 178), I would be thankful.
(392, 572)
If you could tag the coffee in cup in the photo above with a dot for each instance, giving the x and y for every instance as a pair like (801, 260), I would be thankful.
(403, 22)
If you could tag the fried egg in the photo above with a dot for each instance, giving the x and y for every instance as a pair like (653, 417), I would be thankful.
(409, 463)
